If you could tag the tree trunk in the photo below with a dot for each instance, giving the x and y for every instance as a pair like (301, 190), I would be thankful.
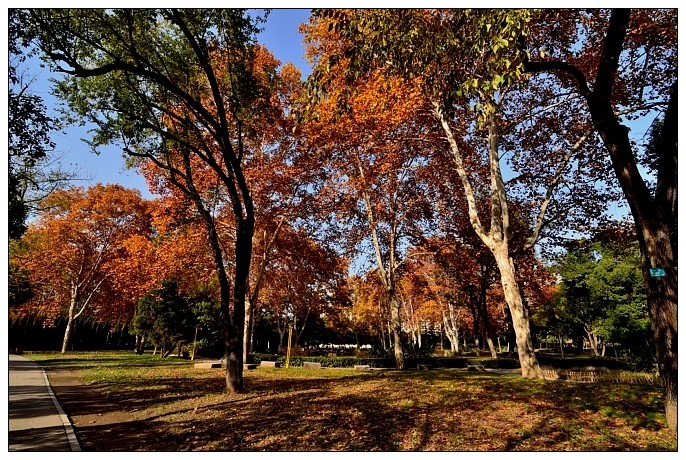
(67, 333)
(451, 330)
(233, 330)
(383, 330)
(593, 340)
(282, 333)
(397, 333)
(662, 309)
(520, 316)
(491, 347)
(246, 330)
(70, 323)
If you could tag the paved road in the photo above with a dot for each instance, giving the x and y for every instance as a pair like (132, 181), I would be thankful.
(36, 420)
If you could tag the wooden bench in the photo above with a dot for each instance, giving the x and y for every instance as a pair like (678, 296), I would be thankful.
(207, 365)
(269, 364)
(312, 365)
(362, 367)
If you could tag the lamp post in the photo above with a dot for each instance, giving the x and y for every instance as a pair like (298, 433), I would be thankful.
(288, 350)
(195, 339)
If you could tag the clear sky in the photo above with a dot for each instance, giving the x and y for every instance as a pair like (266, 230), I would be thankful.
(280, 36)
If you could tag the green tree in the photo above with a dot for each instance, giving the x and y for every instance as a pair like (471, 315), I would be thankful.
(601, 296)
(175, 88)
(29, 127)
(164, 316)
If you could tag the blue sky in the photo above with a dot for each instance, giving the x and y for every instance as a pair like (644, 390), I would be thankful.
(280, 36)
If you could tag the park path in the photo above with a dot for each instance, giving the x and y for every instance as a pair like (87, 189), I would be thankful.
(36, 420)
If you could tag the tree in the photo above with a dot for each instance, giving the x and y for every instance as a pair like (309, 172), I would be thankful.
(304, 280)
(625, 69)
(601, 294)
(74, 251)
(164, 316)
(377, 153)
(177, 88)
(29, 143)
(466, 70)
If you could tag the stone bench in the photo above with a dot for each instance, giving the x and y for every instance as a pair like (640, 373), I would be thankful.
(269, 364)
(249, 367)
(312, 365)
(207, 365)
(362, 367)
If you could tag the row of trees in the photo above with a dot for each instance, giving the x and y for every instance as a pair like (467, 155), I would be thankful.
(415, 126)
(105, 255)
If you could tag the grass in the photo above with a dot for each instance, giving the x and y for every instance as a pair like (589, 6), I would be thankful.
(120, 401)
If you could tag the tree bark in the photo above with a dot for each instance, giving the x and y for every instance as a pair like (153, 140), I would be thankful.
(397, 333)
(70, 325)
(520, 316)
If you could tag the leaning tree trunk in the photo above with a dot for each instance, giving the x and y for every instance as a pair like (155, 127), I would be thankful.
(71, 318)
(520, 315)
(491, 346)
(67, 332)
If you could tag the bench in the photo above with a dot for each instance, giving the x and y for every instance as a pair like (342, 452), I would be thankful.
(207, 365)
(312, 365)
(362, 367)
(424, 367)
(269, 364)
(249, 367)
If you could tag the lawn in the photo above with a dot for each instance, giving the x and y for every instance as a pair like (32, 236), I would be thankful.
(125, 402)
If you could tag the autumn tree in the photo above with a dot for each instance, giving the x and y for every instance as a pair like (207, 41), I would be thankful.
(304, 280)
(176, 88)
(73, 253)
(376, 152)
(468, 73)
(623, 64)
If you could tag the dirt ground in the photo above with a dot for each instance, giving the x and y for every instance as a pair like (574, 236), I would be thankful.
(328, 411)
(100, 423)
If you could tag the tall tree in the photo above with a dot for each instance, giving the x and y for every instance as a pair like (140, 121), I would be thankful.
(177, 88)
(624, 66)
(377, 153)
(466, 70)
(164, 316)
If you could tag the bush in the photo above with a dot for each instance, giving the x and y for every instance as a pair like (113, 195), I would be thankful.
(581, 362)
(410, 362)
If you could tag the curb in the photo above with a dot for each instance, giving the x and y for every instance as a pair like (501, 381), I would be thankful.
(68, 428)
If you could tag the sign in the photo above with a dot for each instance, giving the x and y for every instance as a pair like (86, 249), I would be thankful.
(657, 272)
